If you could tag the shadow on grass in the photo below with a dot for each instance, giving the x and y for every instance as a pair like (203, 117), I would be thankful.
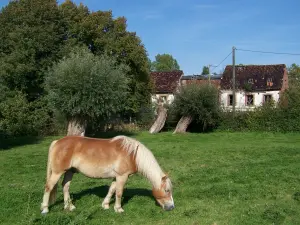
(296, 196)
(8, 143)
(102, 191)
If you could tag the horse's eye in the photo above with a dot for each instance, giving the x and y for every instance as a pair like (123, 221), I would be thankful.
(167, 191)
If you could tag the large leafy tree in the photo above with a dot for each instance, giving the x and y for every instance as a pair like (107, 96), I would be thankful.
(84, 87)
(105, 35)
(35, 34)
(164, 62)
(30, 37)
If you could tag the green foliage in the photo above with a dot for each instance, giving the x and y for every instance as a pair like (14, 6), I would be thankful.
(281, 118)
(35, 34)
(199, 102)
(294, 74)
(18, 117)
(105, 35)
(85, 87)
(164, 62)
(145, 117)
(205, 70)
(30, 36)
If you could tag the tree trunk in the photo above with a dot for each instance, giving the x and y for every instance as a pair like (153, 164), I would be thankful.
(160, 120)
(76, 127)
(183, 124)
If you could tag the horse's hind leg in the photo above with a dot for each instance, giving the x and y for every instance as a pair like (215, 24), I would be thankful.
(66, 186)
(111, 191)
(51, 182)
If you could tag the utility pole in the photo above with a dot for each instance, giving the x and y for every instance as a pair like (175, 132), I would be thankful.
(233, 80)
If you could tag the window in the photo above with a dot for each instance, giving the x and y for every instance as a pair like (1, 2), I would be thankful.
(269, 82)
(230, 99)
(267, 98)
(249, 100)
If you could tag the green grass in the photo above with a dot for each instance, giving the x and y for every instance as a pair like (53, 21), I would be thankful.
(218, 178)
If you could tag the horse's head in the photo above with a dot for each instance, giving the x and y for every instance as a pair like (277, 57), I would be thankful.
(163, 195)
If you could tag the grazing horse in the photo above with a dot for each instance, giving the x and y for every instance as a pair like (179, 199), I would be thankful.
(117, 158)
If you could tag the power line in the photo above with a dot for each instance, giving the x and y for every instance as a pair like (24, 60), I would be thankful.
(276, 53)
(221, 61)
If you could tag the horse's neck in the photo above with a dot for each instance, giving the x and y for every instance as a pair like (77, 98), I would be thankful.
(152, 171)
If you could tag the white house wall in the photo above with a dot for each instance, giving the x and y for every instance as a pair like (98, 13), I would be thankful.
(169, 98)
(241, 99)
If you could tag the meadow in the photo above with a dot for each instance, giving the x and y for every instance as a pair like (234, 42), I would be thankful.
(218, 178)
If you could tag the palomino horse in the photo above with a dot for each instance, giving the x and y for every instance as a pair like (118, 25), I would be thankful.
(117, 158)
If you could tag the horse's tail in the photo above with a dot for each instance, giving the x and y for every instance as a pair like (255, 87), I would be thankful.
(52, 197)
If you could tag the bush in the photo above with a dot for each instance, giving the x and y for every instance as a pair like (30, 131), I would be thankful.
(18, 117)
(281, 118)
(145, 117)
(201, 102)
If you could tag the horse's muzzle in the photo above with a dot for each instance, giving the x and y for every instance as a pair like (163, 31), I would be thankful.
(169, 207)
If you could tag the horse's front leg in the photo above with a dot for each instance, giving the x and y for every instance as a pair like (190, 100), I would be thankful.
(120, 183)
(111, 191)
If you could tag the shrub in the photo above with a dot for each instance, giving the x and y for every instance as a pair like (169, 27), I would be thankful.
(201, 102)
(18, 117)
(281, 118)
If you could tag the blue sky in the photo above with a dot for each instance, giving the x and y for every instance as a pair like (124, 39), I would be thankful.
(202, 32)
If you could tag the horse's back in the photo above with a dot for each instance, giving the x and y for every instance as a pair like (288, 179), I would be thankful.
(90, 156)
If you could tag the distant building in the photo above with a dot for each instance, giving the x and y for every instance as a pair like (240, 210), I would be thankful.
(255, 85)
(166, 84)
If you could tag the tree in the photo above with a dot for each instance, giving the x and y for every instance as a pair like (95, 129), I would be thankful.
(84, 87)
(35, 34)
(164, 62)
(205, 70)
(105, 35)
(294, 73)
(160, 119)
(197, 102)
(31, 37)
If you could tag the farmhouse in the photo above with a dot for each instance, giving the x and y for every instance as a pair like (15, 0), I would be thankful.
(166, 84)
(255, 85)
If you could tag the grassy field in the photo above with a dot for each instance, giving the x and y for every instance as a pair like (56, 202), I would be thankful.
(218, 178)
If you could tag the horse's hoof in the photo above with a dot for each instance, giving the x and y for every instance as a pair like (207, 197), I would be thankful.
(45, 211)
(118, 210)
(105, 206)
(70, 208)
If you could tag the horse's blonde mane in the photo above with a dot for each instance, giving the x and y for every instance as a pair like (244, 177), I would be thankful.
(145, 160)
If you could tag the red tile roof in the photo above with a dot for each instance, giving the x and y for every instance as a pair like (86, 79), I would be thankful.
(166, 82)
(255, 77)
